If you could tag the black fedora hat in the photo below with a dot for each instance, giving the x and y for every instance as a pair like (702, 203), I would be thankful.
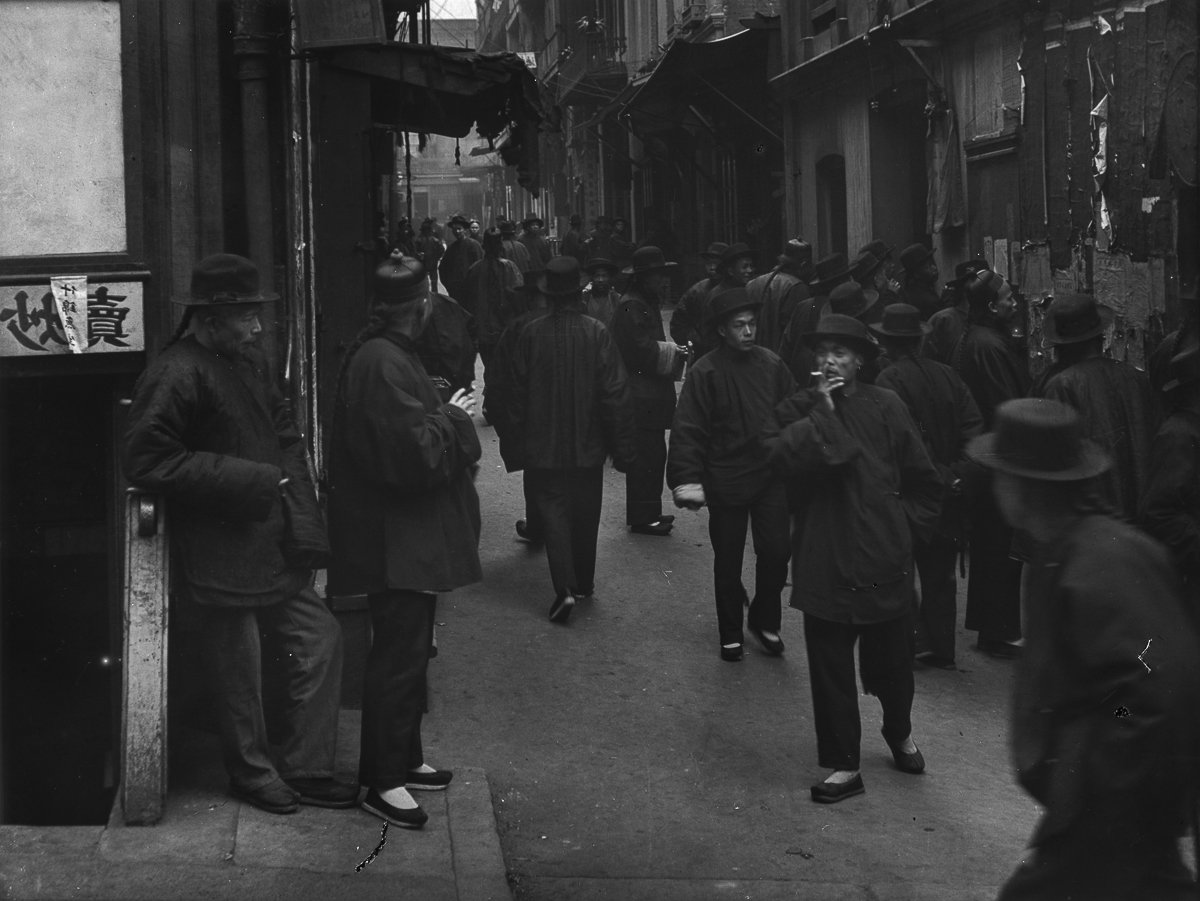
(223, 279)
(1184, 368)
(913, 256)
(506, 226)
(846, 330)
(963, 272)
(1075, 318)
(400, 279)
(647, 259)
(529, 280)
(849, 299)
(1038, 438)
(530, 220)
(617, 219)
(561, 278)
(878, 249)
(864, 264)
(715, 249)
(575, 219)
(732, 252)
(730, 301)
(459, 219)
(830, 272)
(600, 263)
(901, 320)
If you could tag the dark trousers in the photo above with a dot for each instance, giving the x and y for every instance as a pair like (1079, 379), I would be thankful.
(994, 580)
(885, 664)
(644, 481)
(937, 615)
(770, 526)
(568, 504)
(394, 686)
(533, 518)
(311, 645)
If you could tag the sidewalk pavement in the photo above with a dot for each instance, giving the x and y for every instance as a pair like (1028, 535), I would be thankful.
(211, 846)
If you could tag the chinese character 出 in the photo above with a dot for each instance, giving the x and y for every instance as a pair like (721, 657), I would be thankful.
(22, 320)
(106, 318)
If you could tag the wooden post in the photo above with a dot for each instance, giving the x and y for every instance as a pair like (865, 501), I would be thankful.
(144, 676)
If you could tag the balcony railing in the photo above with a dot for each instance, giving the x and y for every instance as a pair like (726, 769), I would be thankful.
(595, 70)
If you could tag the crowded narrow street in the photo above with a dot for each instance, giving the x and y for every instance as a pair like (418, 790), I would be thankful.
(627, 760)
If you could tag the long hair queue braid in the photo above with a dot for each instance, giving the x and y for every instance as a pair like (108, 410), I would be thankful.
(185, 323)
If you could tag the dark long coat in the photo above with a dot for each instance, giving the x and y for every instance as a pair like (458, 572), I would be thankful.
(569, 401)
(947, 417)
(781, 292)
(538, 248)
(458, 258)
(403, 512)
(637, 328)
(992, 369)
(446, 347)
(489, 295)
(685, 320)
(1170, 509)
(214, 436)
(1106, 720)
(868, 488)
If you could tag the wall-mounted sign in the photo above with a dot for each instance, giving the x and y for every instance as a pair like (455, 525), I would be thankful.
(31, 325)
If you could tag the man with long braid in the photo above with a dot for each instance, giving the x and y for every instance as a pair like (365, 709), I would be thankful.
(404, 525)
(209, 430)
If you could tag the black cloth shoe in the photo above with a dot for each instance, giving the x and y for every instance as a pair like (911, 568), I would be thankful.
(428, 782)
(774, 647)
(274, 797)
(560, 610)
(658, 527)
(733, 655)
(413, 818)
(668, 518)
(1003, 650)
(527, 534)
(326, 792)
(908, 763)
(936, 660)
(831, 793)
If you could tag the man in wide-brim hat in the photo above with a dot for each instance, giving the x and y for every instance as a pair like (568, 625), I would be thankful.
(1106, 719)
(210, 431)
(830, 272)
(781, 290)
(600, 298)
(1117, 406)
(942, 407)
(535, 242)
(920, 280)
(1170, 509)
(564, 421)
(734, 269)
(716, 459)
(686, 317)
(460, 255)
(653, 364)
(863, 488)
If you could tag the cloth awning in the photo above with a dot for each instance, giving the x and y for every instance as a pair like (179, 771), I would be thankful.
(727, 77)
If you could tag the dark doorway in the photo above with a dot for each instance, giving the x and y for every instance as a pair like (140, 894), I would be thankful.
(831, 205)
(59, 663)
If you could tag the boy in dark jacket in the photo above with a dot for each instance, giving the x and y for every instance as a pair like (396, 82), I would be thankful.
(209, 430)
(717, 458)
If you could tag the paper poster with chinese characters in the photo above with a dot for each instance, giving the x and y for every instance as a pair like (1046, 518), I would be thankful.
(1109, 275)
(70, 299)
(109, 319)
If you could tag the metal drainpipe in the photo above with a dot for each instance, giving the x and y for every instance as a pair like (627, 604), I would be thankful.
(251, 50)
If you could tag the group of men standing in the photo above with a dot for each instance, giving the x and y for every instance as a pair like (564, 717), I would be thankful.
(863, 427)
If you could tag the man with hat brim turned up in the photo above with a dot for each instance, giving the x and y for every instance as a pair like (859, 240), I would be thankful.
(717, 458)
(535, 242)
(943, 409)
(430, 251)
(920, 280)
(831, 272)
(1115, 402)
(600, 299)
(498, 391)
(404, 524)
(573, 242)
(209, 430)
(994, 372)
(781, 290)
(685, 320)
(1171, 503)
(864, 490)
(513, 249)
(488, 292)
(569, 410)
(653, 364)
(460, 256)
(949, 323)
(1106, 717)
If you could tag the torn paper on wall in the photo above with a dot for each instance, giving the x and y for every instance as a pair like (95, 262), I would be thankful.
(1000, 258)
(70, 297)
(1109, 281)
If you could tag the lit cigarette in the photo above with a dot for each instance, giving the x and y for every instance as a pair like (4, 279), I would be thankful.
(818, 372)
